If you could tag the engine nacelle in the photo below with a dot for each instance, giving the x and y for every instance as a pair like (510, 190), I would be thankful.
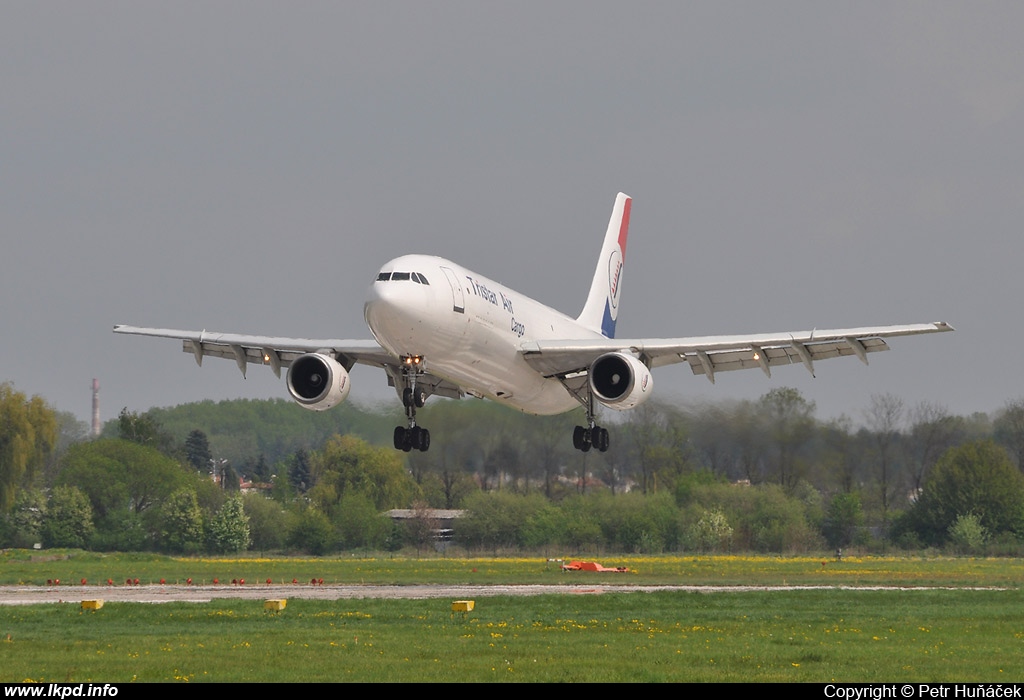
(317, 382)
(620, 381)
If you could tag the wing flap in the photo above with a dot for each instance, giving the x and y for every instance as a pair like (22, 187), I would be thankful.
(747, 358)
(253, 355)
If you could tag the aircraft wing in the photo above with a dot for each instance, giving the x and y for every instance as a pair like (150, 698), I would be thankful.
(722, 353)
(280, 352)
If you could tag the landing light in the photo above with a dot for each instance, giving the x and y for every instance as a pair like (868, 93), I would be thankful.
(756, 356)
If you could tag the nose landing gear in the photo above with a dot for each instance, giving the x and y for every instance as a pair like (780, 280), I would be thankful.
(413, 437)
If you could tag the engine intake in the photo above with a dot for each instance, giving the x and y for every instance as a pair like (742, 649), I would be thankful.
(317, 382)
(620, 381)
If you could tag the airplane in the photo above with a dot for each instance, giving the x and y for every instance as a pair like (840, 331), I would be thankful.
(440, 329)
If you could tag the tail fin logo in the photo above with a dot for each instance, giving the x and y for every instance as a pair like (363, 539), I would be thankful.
(614, 274)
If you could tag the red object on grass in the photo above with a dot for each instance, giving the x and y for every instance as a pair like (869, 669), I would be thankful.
(592, 566)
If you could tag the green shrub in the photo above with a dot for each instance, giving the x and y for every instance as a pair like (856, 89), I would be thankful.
(181, 523)
(229, 529)
(68, 519)
(967, 534)
(312, 533)
(710, 533)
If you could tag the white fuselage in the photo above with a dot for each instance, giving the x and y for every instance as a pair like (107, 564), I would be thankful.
(468, 329)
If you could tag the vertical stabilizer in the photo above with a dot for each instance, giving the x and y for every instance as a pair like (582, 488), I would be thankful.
(602, 307)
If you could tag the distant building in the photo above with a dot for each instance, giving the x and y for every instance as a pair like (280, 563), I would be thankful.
(442, 520)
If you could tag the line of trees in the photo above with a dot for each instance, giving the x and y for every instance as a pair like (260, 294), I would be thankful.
(762, 475)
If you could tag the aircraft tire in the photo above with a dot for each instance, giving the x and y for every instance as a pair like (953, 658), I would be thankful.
(579, 437)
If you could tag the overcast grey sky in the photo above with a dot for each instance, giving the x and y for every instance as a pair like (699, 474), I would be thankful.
(248, 166)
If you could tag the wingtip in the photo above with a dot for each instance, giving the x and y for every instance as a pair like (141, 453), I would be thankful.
(943, 326)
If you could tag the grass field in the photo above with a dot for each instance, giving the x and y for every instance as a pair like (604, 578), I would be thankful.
(813, 635)
(23, 567)
(954, 634)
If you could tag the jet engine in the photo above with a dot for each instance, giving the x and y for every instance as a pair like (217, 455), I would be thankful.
(317, 382)
(620, 381)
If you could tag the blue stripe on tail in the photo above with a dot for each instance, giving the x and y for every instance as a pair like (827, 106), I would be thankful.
(608, 323)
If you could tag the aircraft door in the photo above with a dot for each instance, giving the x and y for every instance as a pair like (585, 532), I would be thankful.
(458, 300)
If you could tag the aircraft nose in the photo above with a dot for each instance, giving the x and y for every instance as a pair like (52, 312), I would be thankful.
(391, 310)
(379, 303)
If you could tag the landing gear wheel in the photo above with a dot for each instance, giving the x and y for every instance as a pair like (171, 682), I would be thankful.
(585, 438)
(580, 437)
(411, 398)
(414, 438)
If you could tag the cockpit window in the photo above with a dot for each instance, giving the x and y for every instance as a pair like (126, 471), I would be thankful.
(416, 277)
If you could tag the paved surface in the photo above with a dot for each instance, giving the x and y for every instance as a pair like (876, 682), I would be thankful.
(16, 595)
(24, 595)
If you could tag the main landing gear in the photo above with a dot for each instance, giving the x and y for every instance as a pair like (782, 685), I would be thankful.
(583, 438)
(414, 437)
